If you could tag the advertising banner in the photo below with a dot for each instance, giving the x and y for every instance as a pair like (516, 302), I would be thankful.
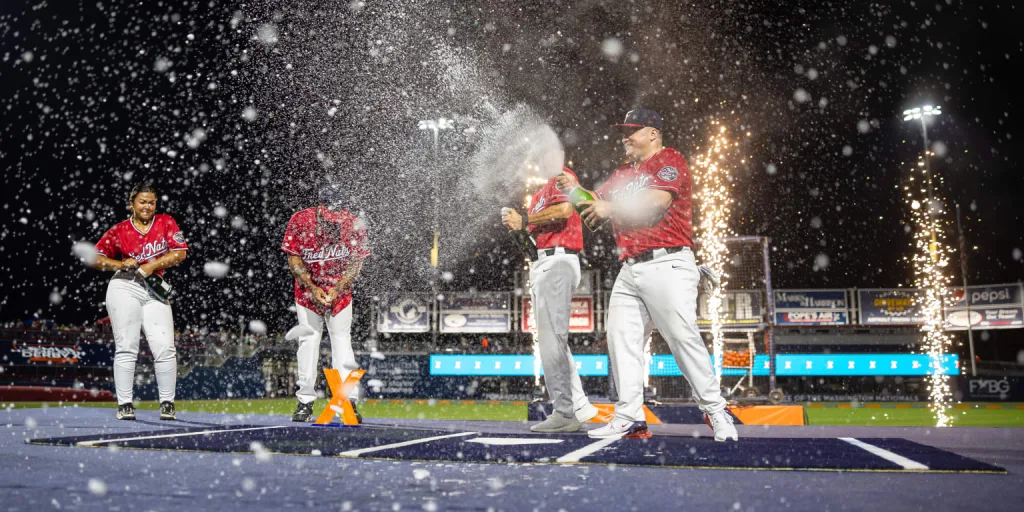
(664, 365)
(581, 315)
(845, 365)
(991, 307)
(896, 306)
(812, 307)
(56, 353)
(742, 307)
(475, 312)
(989, 389)
(409, 312)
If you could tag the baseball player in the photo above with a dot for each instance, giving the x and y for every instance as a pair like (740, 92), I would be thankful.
(554, 275)
(326, 247)
(648, 201)
(137, 249)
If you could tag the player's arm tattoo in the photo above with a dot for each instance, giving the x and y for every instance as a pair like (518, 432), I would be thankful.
(349, 274)
(166, 261)
(642, 209)
(299, 270)
(558, 212)
(106, 264)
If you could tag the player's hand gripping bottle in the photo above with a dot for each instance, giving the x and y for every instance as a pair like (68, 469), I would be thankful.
(577, 194)
(524, 240)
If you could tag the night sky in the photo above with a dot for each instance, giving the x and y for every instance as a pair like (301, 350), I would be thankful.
(236, 111)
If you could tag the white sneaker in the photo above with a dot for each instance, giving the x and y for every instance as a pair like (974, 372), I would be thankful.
(558, 423)
(586, 413)
(624, 429)
(721, 423)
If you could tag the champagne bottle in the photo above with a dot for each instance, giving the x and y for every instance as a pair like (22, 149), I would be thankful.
(523, 239)
(577, 194)
(156, 285)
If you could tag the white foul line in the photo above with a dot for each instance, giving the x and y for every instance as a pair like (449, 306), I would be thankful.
(885, 454)
(356, 453)
(587, 450)
(163, 436)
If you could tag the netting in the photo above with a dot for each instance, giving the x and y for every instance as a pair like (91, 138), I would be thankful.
(746, 333)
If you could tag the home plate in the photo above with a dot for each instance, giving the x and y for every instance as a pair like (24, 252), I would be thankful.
(511, 441)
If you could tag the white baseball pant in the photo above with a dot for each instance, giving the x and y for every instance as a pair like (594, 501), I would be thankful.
(343, 359)
(553, 279)
(131, 307)
(662, 292)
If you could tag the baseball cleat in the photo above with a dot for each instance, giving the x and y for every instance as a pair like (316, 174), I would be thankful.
(586, 413)
(623, 429)
(126, 412)
(556, 423)
(303, 412)
(167, 411)
(721, 423)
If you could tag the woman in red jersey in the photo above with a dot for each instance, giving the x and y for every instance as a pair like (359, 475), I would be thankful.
(138, 250)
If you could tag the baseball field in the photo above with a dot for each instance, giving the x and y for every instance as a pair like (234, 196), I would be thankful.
(889, 414)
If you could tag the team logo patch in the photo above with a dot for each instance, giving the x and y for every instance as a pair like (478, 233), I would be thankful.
(178, 237)
(668, 174)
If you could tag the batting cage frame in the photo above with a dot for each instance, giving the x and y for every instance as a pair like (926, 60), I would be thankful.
(748, 337)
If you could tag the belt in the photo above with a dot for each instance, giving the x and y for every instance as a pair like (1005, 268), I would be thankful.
(551, 251)
(654, 253)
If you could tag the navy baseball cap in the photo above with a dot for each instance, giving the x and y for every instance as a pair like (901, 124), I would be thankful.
(641, 118)
(332, 197)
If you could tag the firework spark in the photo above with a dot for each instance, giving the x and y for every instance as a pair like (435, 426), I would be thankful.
(715, 200)
(930, 259)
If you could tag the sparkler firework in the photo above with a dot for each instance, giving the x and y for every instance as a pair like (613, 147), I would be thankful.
(715, 201)
(930, 260)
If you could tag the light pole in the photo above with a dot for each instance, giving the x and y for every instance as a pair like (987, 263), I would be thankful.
(435, 125)
(922, 114)
(967, 296)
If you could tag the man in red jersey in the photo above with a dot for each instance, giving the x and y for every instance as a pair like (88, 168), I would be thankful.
(136, 249)
(326, 247)
(554, 276)
(648, 200)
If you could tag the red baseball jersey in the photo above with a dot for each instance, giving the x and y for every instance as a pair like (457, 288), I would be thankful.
(124, 240)
(666, 170)
(326, 258)
(567, 233)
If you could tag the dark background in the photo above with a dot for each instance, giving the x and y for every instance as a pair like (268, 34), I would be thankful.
(96, 97)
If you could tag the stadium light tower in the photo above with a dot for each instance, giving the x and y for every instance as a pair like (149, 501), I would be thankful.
(436, 125)
(922, 114)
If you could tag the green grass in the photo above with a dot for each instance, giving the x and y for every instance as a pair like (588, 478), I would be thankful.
(504, 411)
(914, 417)
(507, 411)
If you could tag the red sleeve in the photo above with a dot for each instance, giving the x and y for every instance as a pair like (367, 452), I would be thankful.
(670, 173)
(555, 196)
(602, 191)
(175, 238)
(108, 245)
(290, 244)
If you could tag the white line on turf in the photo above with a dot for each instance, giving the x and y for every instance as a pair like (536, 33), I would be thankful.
(513, 441)
(360, 451)
(587, 450)
(885, 454)
(164, 436)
